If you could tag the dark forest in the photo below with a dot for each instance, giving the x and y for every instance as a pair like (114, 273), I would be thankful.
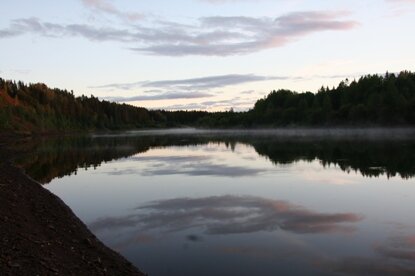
(372, 100)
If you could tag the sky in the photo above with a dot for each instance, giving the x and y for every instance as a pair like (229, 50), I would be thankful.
(202, 54)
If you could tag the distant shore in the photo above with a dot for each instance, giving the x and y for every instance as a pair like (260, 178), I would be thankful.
(40, 235)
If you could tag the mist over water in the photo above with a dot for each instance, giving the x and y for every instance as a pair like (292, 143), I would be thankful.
(239, 202)
(309, 133)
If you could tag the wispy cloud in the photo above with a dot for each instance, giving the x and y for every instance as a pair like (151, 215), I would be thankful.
(226, 1)
(223, 36)
(201, 87)
(402, 1)
(201, 83)
(35, 26)
(212, 82)
(208, 36)
(237, 103)
(189, 106)
(400, 7)
(106, 7)
(192, 88)
(161, 96)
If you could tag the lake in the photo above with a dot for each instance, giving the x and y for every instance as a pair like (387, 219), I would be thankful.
(262, 202)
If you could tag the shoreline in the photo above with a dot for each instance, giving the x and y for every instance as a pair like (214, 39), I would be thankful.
(40, 235)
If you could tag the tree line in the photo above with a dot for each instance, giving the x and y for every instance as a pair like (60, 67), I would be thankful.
(37, 108)
(45, 159)
(372, 100)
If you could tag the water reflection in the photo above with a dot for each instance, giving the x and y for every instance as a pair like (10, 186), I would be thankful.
(219, 215)
(399, 247)
(395, 256)
(232, 204)
(367, 266)
(186, 165)
(46, 159)
(248, 215)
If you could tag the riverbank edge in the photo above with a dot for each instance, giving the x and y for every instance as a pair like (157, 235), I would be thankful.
(40, 235)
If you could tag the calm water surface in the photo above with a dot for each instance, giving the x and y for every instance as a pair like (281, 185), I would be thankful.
(251, 203)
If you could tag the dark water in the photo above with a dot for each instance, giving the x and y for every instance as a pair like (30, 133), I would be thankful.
(242, 203)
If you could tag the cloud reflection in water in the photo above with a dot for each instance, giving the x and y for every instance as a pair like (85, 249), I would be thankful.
(192, 165)
(229, 215)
